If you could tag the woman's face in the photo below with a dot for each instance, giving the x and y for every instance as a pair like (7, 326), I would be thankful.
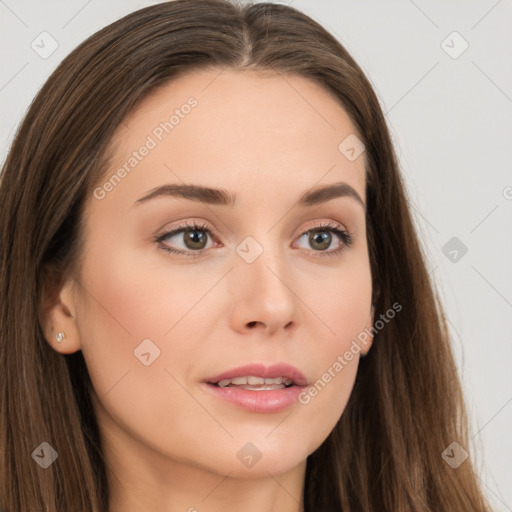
(159, 329)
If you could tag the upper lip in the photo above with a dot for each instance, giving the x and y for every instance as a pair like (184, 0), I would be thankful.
(260, 370)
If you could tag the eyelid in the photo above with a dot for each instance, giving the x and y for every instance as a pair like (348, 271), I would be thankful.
(187, 224)
(321, 223)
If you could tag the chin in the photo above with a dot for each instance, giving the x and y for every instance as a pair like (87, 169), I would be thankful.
(247, 457)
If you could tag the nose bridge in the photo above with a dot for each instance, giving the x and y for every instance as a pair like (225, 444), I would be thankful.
(261, 279)
(264, 260)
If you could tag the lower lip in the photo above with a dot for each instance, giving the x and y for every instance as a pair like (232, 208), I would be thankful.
(258, 401)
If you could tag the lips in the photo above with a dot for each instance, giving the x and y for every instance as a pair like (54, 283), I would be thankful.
(258, 388)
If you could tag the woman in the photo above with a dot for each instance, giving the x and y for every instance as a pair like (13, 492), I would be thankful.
(213, 295)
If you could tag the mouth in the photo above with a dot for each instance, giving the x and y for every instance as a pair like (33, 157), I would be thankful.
(258, 388)
(259, 377)
(253, 383)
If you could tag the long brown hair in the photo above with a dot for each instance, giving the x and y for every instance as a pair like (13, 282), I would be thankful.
(406, 406)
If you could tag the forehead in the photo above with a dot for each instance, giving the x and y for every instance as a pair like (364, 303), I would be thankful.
(246, 91)
(214, 126)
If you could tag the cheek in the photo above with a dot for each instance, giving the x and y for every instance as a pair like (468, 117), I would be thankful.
(132, 318)
(136, 314)
(341, 300)
(344, 308)
(144, 298)
(324, 401)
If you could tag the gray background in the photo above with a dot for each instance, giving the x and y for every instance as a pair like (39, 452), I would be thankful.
(451, 120)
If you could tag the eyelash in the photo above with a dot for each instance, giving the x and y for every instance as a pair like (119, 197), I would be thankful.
(344, 235)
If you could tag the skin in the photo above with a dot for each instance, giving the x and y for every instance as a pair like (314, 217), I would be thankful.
(170, 445)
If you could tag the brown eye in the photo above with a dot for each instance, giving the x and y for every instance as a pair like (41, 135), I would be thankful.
(187, 240)
(320, 240)
(195, 239)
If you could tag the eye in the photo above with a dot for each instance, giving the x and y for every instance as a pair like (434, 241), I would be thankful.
(320, 238)
(193, 237)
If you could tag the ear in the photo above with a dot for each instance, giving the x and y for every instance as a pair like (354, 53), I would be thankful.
(368, 340)
(59, 316)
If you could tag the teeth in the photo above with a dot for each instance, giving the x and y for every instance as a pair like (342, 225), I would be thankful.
(255, 380)
(237, 381)
(256, 383)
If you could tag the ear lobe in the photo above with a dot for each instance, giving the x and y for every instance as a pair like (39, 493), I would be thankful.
(58, 311)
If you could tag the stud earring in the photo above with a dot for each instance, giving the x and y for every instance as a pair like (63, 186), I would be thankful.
(60, 336)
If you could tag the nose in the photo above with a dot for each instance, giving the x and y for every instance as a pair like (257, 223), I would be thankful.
(264, 296)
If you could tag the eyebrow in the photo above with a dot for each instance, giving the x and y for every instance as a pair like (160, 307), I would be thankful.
(222, 197)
